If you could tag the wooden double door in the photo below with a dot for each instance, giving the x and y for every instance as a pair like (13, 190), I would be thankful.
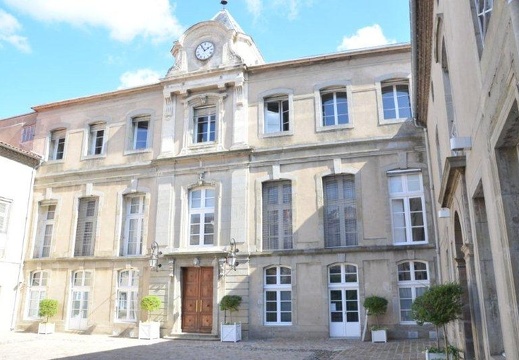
(197, 299)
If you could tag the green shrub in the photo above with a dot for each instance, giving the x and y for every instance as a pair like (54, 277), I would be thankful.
(150, 303)
(231, 303)
(439, 305)
(375, 305)
(48, 308)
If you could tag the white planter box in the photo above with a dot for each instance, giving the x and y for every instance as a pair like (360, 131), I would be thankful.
(149, 330)
(230, 332)
(46, 328)
(378, 335)
(434, 356)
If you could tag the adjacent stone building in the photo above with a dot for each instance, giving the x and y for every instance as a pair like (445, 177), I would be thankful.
(466, 61)
(299, 185)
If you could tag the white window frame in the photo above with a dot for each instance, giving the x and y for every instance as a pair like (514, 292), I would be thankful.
(209, 113)
(46, 223)
(342, 204)
(36, 291)
(282, 220)
(332, 87)
(86, 227)
(277, 288)
(5, 207)
(398, 78)
(202, 212)
(135, 216)
(270, 96)
(405, 196)
(136, 121)
(131, 291)
(483, 12)
(57, 144)
(416, 286)
(96, 139)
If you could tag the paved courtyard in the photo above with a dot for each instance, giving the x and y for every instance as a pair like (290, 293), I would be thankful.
(22, 346)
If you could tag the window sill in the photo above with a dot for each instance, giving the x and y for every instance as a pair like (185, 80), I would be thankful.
(136, 152)
(334, 128)
(277, 324)
(93, 157)
(411, 243)
(51, 161)
(393, 121)
(277, 134)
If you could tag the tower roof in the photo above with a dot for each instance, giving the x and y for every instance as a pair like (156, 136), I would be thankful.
(224, 17)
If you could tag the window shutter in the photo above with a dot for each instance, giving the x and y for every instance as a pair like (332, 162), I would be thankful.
(86, 227)
(3, 216)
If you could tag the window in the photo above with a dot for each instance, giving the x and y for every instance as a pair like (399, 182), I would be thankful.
(277, 115)
(57, 145)
(277, 215)
(483, 11)
(204, 125)
(407, 208)
(278, 296)
(140, 132)
(343, 287)
(96, 136)
(413, 280)
(86, 227)
(37, 292)
(340, 211)
(201, 216)
(127, 295)
(395, 100)
(334, 107)
(133, 230)
(4, 215)
(43, 240)
(28, 133)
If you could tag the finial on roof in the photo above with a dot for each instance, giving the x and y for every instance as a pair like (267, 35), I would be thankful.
(223, 2)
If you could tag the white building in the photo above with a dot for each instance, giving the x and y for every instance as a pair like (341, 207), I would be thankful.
(18, 168)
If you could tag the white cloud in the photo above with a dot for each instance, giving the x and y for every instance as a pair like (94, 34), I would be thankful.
(368, 36)
(139, 77)
(125, 19)
(9, 29)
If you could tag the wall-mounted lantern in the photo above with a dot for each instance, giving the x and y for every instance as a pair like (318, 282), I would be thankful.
(231, 259)
(154, 256)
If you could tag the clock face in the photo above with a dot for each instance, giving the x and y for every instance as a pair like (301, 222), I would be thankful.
(205, 50)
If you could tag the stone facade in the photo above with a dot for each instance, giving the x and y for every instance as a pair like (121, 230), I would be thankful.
(466, 66)
(227, 160)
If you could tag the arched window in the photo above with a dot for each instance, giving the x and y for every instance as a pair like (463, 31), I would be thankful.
(127, 295)
(396, 101)
(37, 291)
(413, 280)
(278, 295)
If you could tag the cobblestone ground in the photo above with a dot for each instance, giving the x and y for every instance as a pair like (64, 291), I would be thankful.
(22, 346)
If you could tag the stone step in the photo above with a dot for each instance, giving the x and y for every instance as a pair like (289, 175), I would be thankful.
(193, 336)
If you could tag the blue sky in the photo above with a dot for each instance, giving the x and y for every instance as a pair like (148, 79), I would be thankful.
(52, 50)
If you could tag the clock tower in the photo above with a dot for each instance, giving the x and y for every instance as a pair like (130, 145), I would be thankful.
(217, 43)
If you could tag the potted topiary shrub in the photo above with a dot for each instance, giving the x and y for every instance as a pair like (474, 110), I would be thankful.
(230, 331)
(439, 305)
(376, 306)
(149, 329)
(48, 308)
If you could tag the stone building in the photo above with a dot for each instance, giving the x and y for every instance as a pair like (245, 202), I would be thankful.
(466, 61)
(298, 185)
